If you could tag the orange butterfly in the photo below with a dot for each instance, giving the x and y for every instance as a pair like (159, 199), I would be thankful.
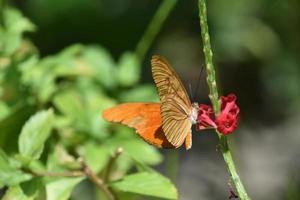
(166, 124)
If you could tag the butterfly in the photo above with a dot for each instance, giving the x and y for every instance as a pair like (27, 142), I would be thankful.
(166, 124)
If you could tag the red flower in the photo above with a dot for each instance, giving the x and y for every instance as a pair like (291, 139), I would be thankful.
(226, 122)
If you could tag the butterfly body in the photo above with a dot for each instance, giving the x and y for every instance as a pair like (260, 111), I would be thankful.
(166, 124)
(194, 115)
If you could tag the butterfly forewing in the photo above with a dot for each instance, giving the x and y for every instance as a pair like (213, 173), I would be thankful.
(175, 103)
(167, 81)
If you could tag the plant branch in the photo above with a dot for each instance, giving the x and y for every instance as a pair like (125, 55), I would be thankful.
(85, 171)
(56, 174)
(96, 180)
(111, 162)
(214, 96)
(153, 28)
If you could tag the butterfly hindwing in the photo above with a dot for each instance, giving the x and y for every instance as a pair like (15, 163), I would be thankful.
(144, 118)
(176, 125)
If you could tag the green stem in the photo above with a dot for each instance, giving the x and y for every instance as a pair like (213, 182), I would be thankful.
(111, 162)
(155, 25)
(210, 70)
(214, 96)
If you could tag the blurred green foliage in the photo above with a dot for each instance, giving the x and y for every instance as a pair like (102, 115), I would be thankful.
(255, 42)
(50, 115)
(258, 40)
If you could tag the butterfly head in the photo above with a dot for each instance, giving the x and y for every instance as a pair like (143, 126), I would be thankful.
(194, 114)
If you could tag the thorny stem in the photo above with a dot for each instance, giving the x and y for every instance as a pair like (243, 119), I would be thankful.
(211, 74)
(153, 28)
(213, 95)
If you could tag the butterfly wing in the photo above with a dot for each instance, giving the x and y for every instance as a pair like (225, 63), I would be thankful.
(144, 118)
(176, 106)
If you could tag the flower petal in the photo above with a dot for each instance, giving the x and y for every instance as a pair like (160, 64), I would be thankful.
(205, 117)
(227, 120)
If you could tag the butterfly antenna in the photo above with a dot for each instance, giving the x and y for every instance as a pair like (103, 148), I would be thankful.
(191, 93)
(198, 82)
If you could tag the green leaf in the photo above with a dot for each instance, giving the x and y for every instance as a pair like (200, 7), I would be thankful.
(102, 65)
(34, 134)
(31, 188)
(11, 34)
(96, 156)
(39, 76)
(15, 193)
(11, 126)
(126, 196)
(149, 184)
(69, 62)
(134, 149)
(60, 159)
(15, 22)
(129, 69)
(85, 190)
(61, 189)
(4, 110)
(139, 93)
(69, 102)
(142, 167)
(9, 175)
(83, 106)
(146, 153)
